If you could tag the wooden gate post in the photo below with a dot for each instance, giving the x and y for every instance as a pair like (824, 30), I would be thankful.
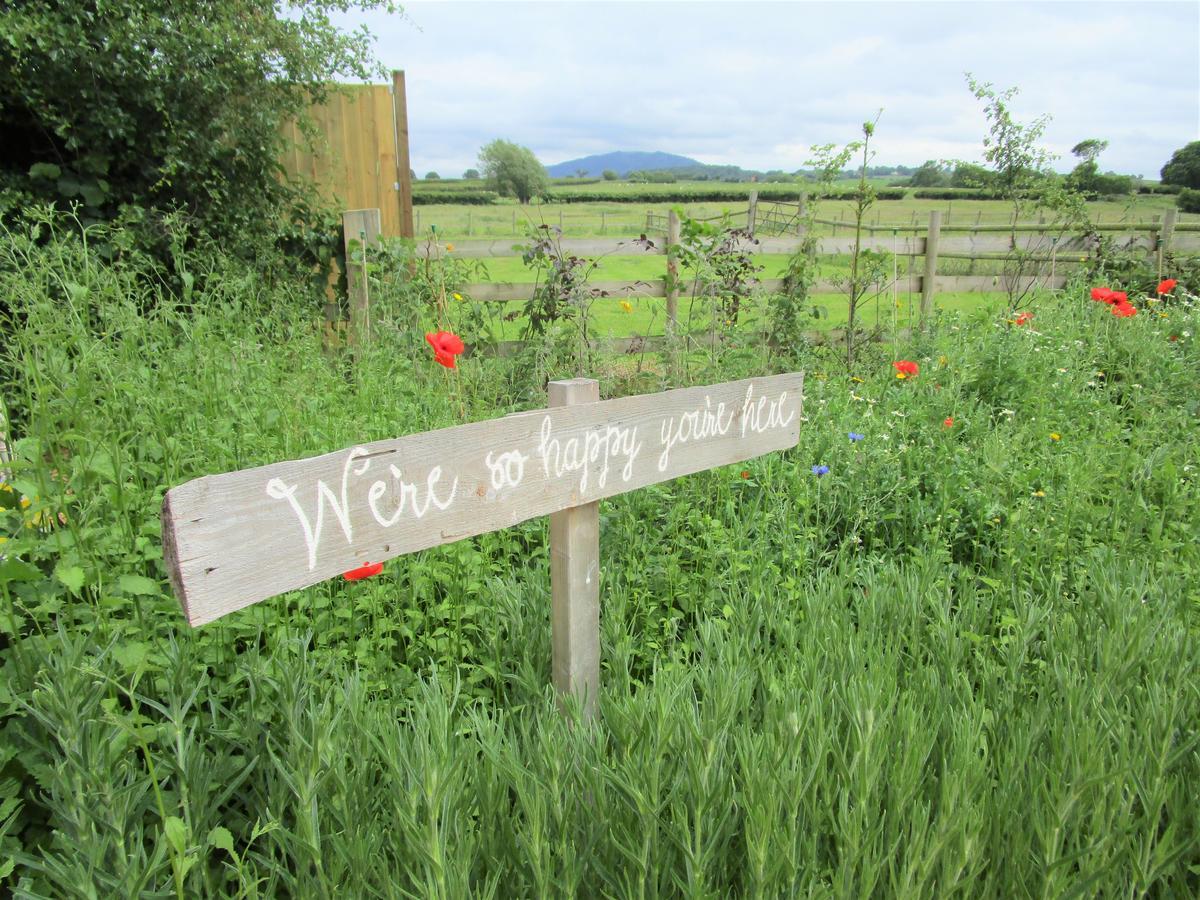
(931, 253)
(575, 580)
(403, 167)
(1164, 241)
(752, 213)
(361, 225)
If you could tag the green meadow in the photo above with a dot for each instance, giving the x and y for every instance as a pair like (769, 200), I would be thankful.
(963, 662)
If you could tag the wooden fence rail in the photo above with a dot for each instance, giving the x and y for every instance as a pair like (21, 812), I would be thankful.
(978, 244)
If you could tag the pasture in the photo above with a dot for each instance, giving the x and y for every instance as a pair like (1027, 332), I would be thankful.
(963, 660)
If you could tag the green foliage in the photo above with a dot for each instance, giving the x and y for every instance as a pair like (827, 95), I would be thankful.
(1189, 201)
(162, 106)
(1087, 179)
(946, 668)
(428, 196)
(513, 171)
(699, 193)
(970, 176)
(1183, 168)
(609, 175)
(1088, 150)
(432, 176)
(471, 175)
(930, 174)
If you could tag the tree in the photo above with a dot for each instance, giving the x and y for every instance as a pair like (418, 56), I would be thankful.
(1183, 168)
(581, 173)
(930, 174)
(432, 176)
(609, 175)
(1088, 150)
(513, 170)
(471, 175)
(164, 105)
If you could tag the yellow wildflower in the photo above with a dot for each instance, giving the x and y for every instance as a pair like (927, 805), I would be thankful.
(449, 248)
(627, 306)
(1055, 436)
(942, 360)
(457, 295)
(901, 375)
(856, 379)
(25, 502)
(1039, 493)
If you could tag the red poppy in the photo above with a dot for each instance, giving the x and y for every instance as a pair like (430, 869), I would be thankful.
(446, 346)
(1116, 297)
(948, 421)
(1173, 337)
(1023, 318)
(1101, 294)
(906, 367)
(366, 570)
(1165, 287)
(745, 473)
(1123, 310)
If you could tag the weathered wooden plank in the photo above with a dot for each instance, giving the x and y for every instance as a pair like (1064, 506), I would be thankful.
(991, 242)
(995, 283)
(575, 579)
(476, 249)
(510, 290)
(231, 540)
(904, 245)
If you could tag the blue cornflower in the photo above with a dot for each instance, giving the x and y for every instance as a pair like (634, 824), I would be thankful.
(820, 470)
(855, 437)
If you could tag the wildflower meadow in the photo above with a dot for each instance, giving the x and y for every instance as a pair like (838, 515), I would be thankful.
(947, 645)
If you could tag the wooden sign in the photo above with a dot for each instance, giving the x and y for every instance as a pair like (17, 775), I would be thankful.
(232, 540)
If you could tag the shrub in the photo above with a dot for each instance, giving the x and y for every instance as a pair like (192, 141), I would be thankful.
(1189, 201)
(166, 106)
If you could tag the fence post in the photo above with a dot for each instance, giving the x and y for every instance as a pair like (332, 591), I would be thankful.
(468, 223)
(800, 216)
(603, 222)
(560, 224)
(575, 580)
(1168, 231)
(361, 226)
(752, 213)
(403, 167)
(672, 274)
(514, 222)
(927, 280)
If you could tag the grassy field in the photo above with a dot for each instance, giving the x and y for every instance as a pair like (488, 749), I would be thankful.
(629, 220)
(965, 662)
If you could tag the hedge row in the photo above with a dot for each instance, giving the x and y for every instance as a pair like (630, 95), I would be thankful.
(953, 194)
(472, 198)
(1159, 189)
(717, 193)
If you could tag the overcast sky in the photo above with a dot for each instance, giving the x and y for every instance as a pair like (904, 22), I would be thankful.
(756, 84)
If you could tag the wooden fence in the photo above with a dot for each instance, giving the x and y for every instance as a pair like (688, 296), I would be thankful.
(361, 157)
(1055, 254)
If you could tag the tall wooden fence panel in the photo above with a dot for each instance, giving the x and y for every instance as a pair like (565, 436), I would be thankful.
(354, 165)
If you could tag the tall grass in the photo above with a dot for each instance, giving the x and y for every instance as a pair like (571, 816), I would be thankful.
(963, 663)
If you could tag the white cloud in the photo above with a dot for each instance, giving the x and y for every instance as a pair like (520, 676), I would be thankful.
(755, 84)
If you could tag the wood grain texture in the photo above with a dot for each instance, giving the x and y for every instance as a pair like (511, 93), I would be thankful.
(499, 291)
(478, 249)
(234, 539)
(575, 580)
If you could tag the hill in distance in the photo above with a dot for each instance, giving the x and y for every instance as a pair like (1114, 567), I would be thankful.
(622, 162)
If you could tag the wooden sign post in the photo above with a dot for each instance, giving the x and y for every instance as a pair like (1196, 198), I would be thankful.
(232, 540)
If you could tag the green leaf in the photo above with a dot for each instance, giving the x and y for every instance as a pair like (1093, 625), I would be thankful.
(138, 584)
(72, 577)
(18, 570)
(176, 831)
(220, 838)
(45, 170)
